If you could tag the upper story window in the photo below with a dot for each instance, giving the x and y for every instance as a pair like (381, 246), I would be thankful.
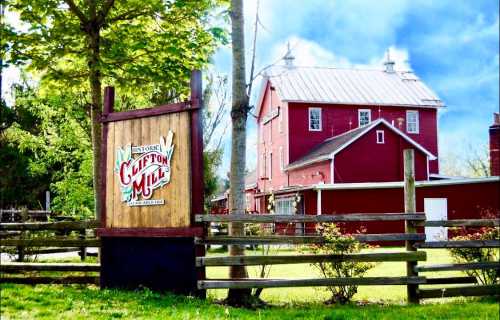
(270, 166)
(280, 120)
(380, 137)
(282, 159)
(412, 125)
(364, 117)
(263, 172)
(314, 119)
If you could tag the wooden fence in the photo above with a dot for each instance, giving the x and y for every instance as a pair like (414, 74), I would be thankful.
(411, 256)
(19, 215)
(64, 236)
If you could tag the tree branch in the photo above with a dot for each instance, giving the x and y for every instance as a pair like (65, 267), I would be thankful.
(103, 13)
(252, 66)
(74, 8)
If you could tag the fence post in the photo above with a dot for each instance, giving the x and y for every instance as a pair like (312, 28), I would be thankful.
(83, 250)
(410, 208)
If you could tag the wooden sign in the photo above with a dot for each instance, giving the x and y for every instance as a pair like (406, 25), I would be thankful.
(152, 167)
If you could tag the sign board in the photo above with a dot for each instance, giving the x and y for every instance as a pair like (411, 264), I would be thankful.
(150, 178)
(148, 172)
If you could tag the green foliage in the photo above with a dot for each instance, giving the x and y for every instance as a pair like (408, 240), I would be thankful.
(465, 255)
(338, 243)
(211, 161)
(48, 146)
(152, 45)
(146, 49)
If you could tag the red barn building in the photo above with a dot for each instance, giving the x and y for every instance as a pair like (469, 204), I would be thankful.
(335, 139)
(327, 125)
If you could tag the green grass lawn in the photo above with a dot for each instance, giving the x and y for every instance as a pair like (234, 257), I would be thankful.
(374, 302)
(88, 302)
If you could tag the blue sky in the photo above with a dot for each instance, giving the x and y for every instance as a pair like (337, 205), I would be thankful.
(452, 45)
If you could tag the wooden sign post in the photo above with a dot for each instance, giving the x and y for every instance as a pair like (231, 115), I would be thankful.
(152, 171)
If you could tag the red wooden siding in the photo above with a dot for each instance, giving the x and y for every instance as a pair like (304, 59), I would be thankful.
(337, 119)
(270, 140)
(366, 161)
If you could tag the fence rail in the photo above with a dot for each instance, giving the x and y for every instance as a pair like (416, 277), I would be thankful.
(459, 266)
(309, 258)
(279, 283)
(14, 267)
(464, 291)
(51, 242)
(284, 239)
(60, 225)
(458, 244)
(459, 223)
(275, 218)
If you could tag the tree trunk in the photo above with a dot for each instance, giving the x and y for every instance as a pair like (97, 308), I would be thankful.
(95, 112)
(239, 112)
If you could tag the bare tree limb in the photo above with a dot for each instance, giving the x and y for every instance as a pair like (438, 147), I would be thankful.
(254, 49)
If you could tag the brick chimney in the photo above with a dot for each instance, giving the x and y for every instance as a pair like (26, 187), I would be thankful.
(495, 146)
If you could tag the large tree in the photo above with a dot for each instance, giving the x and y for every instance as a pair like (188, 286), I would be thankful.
(149, 46)
(239, 113)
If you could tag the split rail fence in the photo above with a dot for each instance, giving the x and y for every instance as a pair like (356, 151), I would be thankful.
(413, 242)
(27, 239)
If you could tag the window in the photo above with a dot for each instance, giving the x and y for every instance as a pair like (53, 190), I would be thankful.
(248, 201)
(270, 166)
(412, 121)
(282, 159)
(364, 117)
(263, 165)
(280, 120)
(284, 206)
(314, 119)
(380, 137)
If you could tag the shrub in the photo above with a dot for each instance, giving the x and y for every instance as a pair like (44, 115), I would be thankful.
(463, 255)
(337, 243)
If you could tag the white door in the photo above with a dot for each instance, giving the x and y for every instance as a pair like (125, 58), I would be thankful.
(436, 209)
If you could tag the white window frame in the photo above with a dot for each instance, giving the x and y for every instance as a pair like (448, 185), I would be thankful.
(280, 120)
(282, 160)
(309, 118)
(380, 133)
(369, 117)
(284, 206)
(417, 124)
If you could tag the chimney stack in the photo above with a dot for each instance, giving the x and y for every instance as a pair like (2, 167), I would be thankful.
(495, 146)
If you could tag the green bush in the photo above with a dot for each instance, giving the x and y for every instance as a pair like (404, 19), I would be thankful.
(464, 255)
(337, 243)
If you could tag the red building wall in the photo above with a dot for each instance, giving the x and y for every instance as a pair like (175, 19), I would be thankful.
(465, 201)
(337, 119)
(271, 140)
(310, 175)
(366, 161)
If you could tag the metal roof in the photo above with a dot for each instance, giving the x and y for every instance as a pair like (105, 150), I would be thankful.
(331, 146)
(351, 86)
